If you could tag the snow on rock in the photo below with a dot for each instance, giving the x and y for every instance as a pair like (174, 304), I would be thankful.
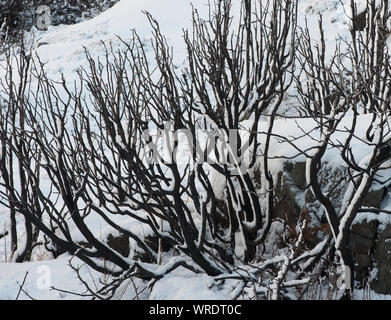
(62, 47)
(302, 132)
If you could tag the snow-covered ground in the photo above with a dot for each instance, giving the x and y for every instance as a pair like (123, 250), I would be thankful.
(61, 48)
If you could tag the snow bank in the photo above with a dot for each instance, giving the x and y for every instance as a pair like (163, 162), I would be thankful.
(43, 276)
(185, 285)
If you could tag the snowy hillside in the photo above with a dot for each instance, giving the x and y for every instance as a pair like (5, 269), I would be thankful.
(62, 47)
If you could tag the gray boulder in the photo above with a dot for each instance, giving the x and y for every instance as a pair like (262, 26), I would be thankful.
(119, 243)
(374, 198)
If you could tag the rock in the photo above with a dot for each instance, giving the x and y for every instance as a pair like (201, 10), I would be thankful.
(362, 267)
(333, 183)
(309, 196)
(374, 198)
(359, 244)
(384, 231)
(365, 228)
(362, 242)
(382, 282)
(221, 216)
(298, 174)
(382, 259)
(360, 21)
(119, 243)
(285, 206)
(362, 260)
(383, 252)
(152, 241)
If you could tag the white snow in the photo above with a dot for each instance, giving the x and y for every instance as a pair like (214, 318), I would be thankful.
(61, 48)
(184, 285)
(43, 277)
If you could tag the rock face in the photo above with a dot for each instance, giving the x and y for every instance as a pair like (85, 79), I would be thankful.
(295, 198)
(382, 258)
(298, 174)
(119, 244)
(362, 244)
(122, 245)
(286, 206)
(360, 21)
(370, 240)
(374, 198)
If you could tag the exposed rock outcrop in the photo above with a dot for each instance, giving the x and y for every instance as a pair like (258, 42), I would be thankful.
(382, 259)
(119, 244)
(370, 238)
(362, 244)
(370, 241)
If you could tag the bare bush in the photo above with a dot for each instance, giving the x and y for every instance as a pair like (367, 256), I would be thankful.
(355, 80)
(136, 137)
